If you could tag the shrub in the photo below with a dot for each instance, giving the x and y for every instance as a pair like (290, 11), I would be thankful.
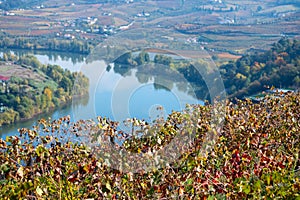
(255, 156)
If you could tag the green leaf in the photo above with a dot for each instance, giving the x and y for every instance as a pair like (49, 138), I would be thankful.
(39, 150)
(189, 181)
(257, 185)
(268, 179)
(4, 168)
(210, 197)
(247, 189)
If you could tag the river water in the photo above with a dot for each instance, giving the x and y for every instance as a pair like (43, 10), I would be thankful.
(115, 92)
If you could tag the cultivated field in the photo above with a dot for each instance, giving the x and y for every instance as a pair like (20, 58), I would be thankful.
(232, 27)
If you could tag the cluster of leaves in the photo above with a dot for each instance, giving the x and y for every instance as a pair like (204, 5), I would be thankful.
(279, 67)
(24, 98)
(256, 155)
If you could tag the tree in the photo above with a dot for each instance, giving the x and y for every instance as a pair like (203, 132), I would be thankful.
(18, 100)
(162, 59)
(59, 93)
(125, 59)
(48, 93)
(142, 58)
(287, 74)
(297, 81)
(43, 102)
(66, 84)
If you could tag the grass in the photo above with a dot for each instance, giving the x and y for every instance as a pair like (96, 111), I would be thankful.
(41, 85)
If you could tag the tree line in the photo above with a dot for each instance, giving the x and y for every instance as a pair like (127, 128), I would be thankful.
(42, 43)
(277, 67)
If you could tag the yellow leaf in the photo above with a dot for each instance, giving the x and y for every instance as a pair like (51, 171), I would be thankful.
(108, 186)
(20, 172)
(39, 191)
(143, 185)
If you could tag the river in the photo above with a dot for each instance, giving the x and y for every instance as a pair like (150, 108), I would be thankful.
(115, 92)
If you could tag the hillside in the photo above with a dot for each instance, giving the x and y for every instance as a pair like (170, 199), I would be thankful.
(254, 154)
(248, 75)
(252, 73)
(29, 88)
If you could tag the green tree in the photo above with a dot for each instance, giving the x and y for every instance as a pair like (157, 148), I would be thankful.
(66, 84)
(162, 59)
(142, 58)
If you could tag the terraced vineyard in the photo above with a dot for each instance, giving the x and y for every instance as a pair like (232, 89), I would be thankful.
(255, 155)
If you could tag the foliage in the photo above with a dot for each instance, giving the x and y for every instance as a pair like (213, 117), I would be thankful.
(41, 43)
(251, 74)
(28, 97)
(278, 67)
(256, 156)
(162, 59)
(10, 116)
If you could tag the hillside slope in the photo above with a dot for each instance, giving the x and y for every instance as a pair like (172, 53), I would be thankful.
(256, 155)
(278, 67)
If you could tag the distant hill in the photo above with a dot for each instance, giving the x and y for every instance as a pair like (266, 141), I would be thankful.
(285, 2)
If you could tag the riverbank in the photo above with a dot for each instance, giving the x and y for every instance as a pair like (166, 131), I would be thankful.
(30, 88)
(34, 115)
(40, 43)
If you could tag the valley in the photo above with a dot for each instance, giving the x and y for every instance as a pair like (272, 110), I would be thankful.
(219, 26)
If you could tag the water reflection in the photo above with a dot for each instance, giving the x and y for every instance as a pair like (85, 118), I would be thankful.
(64, 110)
(117, 91)
(49, 56)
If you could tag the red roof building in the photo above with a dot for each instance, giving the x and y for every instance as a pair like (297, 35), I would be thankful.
(4, 78)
